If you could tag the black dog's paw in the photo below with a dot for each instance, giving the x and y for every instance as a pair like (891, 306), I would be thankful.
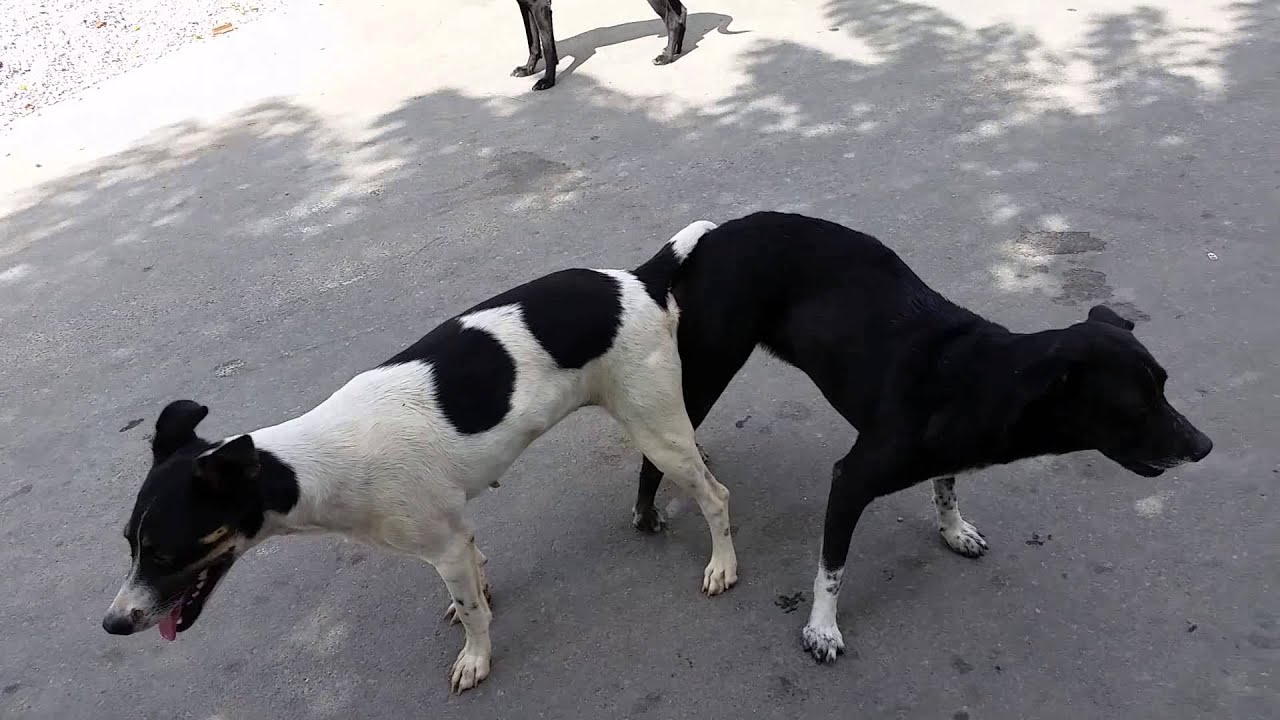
(964, 539)
(825, 644)
(522, 71)
(649, 521)
(664, 59)
(544, 84)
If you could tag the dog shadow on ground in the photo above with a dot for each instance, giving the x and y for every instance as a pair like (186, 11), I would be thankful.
(584, 46)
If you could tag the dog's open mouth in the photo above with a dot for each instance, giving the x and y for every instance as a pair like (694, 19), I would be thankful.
(191, 602)
(1144, 469)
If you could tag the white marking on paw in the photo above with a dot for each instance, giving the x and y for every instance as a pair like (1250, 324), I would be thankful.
(964, 539)
(821, 636)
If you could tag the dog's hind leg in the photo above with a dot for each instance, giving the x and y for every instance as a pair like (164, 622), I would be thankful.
(648, 404)
(959, 535)
(673, 15)
(706, 375)
(459, 562)
(531, 35)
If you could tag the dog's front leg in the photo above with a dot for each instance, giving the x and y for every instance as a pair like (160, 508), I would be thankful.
(856, 480)
(459, 565)
(531, 35)
(673, 15)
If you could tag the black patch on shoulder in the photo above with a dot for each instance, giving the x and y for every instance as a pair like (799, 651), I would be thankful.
(474, 375)
(574, 314)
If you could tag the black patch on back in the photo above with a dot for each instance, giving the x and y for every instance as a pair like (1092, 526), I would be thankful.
(574, 314)
(474, 375)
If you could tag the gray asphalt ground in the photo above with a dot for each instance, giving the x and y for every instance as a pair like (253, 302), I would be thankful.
(381, 172)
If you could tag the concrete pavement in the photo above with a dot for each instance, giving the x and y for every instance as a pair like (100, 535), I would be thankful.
(248, 222)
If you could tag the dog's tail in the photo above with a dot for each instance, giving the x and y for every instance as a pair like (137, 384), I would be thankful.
(662, 270)
(723, 27)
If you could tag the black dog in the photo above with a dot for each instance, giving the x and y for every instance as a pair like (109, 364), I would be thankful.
(933, 389)
(542, 39)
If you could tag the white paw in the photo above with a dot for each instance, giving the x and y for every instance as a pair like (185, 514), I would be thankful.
(719, 576)
(825, 644)
(964, 539)
(468, 670)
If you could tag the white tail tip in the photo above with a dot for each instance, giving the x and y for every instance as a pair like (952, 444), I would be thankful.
(682, 242)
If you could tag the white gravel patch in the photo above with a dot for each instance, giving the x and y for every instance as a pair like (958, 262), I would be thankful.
(50, 49)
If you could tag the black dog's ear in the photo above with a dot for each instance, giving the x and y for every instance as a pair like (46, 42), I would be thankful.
(228, 467)
(176, 427)
(1104, 314)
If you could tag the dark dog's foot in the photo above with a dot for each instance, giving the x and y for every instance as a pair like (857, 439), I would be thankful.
(706, 459)
(825, 644)
(649, 521)
(665, 59)
(522, 71)
(544, 84)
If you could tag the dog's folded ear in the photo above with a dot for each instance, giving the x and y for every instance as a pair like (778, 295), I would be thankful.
(1104, 314)
(176, 427)
(229, 467)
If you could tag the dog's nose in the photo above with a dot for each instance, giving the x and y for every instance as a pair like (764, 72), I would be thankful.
(119, 623)
(1201, 447)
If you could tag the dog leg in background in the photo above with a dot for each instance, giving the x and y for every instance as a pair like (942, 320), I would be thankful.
(959, 535)
(673, 15)
(532, 35)
(541, 11)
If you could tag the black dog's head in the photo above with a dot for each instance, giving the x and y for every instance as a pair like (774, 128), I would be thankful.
(198, 510)
(1108, 396)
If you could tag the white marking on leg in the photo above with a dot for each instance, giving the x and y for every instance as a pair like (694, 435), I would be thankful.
(822, 637)
(959, 535)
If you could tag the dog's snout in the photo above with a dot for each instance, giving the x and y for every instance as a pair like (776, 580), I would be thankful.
(121, 623)
(1201, 446)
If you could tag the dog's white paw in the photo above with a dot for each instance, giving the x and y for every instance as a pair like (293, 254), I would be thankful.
(468, 670)
(964, 539)
(825, 644)
(719, 576)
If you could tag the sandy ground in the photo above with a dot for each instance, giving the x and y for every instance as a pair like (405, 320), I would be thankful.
(51, 49)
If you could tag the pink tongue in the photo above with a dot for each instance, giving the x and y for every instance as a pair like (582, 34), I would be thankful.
(169, 624)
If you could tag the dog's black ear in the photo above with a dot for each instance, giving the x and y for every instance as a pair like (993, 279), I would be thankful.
(228, 467)
(176, 427)
(1104, 314)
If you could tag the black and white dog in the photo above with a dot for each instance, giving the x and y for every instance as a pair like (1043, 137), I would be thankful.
(392, 457)
(933, 389)
(542, 39)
